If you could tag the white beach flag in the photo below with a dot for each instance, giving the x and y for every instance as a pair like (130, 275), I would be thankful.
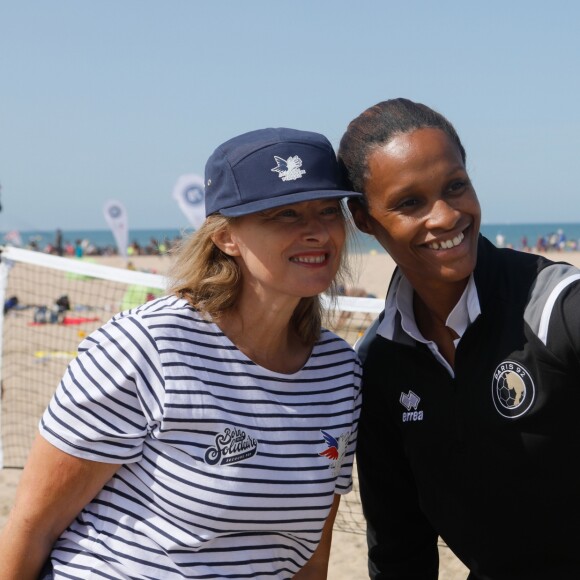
(189, 195)
(116, 217)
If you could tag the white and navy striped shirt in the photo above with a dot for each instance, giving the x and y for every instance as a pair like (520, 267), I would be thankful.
(229, 469)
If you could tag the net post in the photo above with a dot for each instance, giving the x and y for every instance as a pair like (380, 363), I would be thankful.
(4, 271)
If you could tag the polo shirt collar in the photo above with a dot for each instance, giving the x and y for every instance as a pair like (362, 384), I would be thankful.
(399, 311)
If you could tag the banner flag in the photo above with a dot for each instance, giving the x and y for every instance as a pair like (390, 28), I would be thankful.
(116, 217)
(189, 195)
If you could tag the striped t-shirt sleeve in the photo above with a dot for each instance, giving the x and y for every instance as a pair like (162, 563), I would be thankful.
(107, 398)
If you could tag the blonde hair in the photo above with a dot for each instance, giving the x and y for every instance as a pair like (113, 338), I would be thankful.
(210, 280)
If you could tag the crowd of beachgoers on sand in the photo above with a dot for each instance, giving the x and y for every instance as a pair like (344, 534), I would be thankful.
(555, 241)
(551, 242)
(84, 247)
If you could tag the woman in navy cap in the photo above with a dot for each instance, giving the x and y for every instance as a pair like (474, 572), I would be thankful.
(208, 433)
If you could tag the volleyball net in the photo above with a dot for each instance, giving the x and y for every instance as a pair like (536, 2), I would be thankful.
(52, 303)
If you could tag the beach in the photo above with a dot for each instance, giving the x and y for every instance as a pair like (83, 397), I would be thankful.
(371, 274)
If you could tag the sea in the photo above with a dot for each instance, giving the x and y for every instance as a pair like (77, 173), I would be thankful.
(509, 235)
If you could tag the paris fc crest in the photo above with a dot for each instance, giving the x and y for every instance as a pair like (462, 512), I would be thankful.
(512, 389)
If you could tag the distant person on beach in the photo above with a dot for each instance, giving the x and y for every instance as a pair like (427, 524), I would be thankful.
(209, 433)
(542, 244)
(561, 241)
(471, 375)
(58, 244)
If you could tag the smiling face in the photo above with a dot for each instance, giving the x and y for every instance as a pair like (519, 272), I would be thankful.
(291, 251)
(422, 208)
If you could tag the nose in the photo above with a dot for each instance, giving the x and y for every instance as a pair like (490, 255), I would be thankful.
(443, 215)
(315, 230)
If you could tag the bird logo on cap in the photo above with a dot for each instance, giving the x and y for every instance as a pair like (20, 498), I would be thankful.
(289, 169)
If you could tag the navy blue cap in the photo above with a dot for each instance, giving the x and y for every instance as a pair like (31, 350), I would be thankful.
(269, 168)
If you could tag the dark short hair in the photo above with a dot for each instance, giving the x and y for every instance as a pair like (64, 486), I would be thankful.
(377, 126)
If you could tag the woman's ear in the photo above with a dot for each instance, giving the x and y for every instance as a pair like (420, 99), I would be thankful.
(225, 242)
(360, 215)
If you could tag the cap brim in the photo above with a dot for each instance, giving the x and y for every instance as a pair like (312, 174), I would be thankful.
(264, 204)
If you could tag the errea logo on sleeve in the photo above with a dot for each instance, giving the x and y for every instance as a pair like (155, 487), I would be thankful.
(411, 402)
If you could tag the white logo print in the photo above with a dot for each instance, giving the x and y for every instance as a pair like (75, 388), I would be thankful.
(289, 169)
(411, 401)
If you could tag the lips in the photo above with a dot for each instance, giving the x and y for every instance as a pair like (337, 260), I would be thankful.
(447, 244)
(317, 259)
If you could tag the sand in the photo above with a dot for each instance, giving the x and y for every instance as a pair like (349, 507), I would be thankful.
(348, 555)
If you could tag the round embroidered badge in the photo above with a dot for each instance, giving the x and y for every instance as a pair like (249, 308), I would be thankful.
(512, 389)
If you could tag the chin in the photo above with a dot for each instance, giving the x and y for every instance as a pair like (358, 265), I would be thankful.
(457, 274)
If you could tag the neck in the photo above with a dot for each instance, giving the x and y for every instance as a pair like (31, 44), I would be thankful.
(266, 336)
(426, 316)
(431, 312)
(438, 299)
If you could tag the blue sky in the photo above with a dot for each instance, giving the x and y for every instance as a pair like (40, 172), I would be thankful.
(105, 99)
